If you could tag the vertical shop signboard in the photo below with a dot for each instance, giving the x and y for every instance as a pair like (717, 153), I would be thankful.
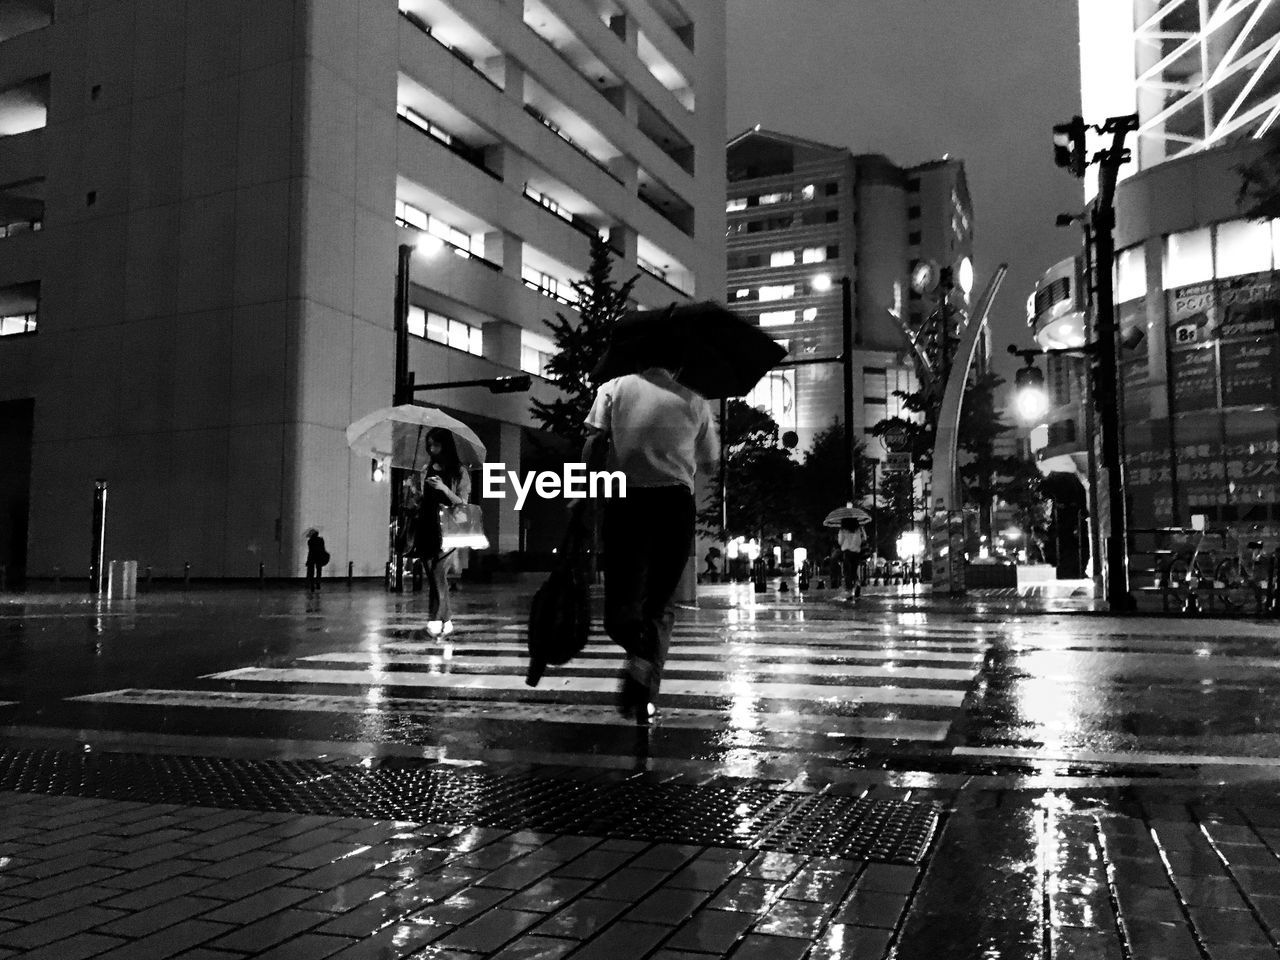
(1134, 366)
(1193, 347)
(1250, 308)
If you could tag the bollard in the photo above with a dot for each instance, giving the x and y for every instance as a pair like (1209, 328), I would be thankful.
(186, 574)
(262, 575)
(98, 545)
(57, 578)
(351, 571)
(148, 576)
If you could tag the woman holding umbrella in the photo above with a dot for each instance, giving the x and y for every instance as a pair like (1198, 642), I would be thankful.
(851, 540)
(446, 483)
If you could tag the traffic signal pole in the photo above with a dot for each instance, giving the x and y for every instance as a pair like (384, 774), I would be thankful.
(1105, 369)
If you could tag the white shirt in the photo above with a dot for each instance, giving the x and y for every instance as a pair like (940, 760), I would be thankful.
(851, 540)
(659, 430)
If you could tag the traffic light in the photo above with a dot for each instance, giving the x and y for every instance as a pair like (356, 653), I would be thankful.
(1069, 145)
(510, 384)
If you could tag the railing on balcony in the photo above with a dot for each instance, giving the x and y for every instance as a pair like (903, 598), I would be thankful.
(453, 247)
(473, 155)
(543, 119)
(581, 224)
(661, 277)
(458, 55)
(548, 292)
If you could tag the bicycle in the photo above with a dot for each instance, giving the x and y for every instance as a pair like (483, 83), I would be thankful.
(1234, 579)
(1239, 575)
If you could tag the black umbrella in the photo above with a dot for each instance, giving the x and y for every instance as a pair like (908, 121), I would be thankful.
(717, 352)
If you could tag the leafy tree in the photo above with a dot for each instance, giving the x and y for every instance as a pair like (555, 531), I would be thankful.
(981, 468)
(822, 483)
(580, 346)
(1023, 491)
(761, 478)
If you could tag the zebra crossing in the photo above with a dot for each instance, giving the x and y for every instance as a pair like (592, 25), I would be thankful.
(771, 688)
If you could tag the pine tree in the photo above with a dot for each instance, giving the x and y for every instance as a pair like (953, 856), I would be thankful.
(580, 345)
(761, 478)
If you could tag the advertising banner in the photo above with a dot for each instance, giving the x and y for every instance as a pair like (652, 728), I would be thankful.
(1193, 347)
(1249, 308)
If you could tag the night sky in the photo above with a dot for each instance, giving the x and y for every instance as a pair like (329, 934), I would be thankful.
(983, 80)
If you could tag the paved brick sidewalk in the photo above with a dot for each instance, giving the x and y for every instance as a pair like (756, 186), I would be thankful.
(119, 879)
(1021, 873)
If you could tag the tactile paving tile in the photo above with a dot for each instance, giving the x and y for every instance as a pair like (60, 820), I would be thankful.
(746, 816)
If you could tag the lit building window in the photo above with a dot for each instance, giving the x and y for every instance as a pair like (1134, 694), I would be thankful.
(781, 197)
(782, 258)
(742, 293)
(536, 352)
(1244, 246)
(810, 314)
(548, 285)
(781, 292)
(1131, 274)
(447, 330)
(735, 204)
(813, 254)
(777, 318)
(17, 323)
(1188, 258)
(806, 192)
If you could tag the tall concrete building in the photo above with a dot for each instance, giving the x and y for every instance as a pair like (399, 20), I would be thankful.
(201, 207)
(801, 215)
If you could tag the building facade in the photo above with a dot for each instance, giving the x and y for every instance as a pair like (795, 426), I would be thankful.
(1198, 73)
(802, 215)
(1200, 391)
(202, 205)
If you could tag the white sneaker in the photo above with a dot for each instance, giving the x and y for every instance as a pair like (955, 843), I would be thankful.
(434, 627)
(447, 628)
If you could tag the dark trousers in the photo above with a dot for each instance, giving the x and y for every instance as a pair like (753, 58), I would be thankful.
(647, 536)
(852, 569)
(313, 575)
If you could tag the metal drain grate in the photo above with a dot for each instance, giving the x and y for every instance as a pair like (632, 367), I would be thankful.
(748, 816)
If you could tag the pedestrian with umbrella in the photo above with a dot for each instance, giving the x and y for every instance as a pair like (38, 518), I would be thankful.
(651, 420)
(418, 438)
(851, 540)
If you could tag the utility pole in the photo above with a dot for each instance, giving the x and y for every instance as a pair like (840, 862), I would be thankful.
(1070, 152)
(401, 392)
(846, 357)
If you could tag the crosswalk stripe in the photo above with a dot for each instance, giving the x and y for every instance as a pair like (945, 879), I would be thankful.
(598, 714)
(687, 650)
(829, 694)
(727, 665)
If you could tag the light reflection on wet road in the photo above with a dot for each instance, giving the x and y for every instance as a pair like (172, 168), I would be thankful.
(763, 689)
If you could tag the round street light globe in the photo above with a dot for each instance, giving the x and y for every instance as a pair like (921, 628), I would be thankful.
(1032, 404)
(428, 244)
(964, 275)
(822, 282)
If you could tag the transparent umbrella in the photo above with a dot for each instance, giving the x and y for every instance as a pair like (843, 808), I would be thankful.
(399, 435)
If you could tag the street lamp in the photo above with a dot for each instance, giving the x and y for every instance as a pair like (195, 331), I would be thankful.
(1030, 398)
(403, 387)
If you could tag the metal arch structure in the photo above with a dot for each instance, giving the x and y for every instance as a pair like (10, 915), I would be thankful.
(1205, 71)
(948, 497)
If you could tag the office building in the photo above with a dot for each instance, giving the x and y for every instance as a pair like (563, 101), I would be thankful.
(202, 205)
(802, 215)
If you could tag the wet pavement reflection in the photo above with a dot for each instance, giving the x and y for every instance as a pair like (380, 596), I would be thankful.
(1106, 786)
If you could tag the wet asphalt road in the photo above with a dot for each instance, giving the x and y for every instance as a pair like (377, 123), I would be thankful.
(776, 689)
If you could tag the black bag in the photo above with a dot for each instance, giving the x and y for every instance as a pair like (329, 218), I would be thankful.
(324, 558)
(560, 615)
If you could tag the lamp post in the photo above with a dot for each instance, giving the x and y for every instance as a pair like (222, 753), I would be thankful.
(403, 387)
